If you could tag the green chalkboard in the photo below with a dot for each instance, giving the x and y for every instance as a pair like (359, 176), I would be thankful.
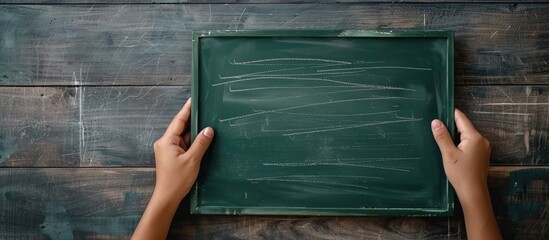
(322, 122)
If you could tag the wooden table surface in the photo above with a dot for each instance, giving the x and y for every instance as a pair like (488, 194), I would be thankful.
(87, 87)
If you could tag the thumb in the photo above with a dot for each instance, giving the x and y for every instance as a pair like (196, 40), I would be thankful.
(443, 138)
(201, 143)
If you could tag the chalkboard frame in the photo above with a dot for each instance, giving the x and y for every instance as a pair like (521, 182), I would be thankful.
(448, 119)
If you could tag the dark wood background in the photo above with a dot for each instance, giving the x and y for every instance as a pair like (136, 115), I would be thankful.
(87, 87)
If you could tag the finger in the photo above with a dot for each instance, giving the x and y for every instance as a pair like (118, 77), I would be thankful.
(185, 141)
(179, 122)
(464, 126)
(443, 138)
(201, 143)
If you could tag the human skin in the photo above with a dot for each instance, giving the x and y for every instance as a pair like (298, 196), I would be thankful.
(466, 166)
(178, 164)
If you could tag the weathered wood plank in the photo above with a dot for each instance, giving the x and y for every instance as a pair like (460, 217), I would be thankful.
(39, 127)
(520, 198)
(72, 203)
(514, 118)
(146, 45)
(84, 126)
(120, 124)
(253, 1)
(90, 203)
(116, 126)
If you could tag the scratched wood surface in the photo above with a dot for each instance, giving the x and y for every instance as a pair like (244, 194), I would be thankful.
(144, 45)
(87, 87)
(116, 126)
(84, 126)
(106, 203)
(251, 1)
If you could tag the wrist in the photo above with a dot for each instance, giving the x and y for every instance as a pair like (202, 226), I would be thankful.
(473, 194)
(163, 200)
(474, 198)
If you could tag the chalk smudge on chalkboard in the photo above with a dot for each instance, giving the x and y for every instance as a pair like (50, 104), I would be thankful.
(311, 181)
(289, 59)
(304, 118)
(301, 164)
(351, 126)
(333, 179)
(278, 70)
(338, 115)
(288, 78)
(380, 67)
(312, 105)
(320, 176)
(284, 90)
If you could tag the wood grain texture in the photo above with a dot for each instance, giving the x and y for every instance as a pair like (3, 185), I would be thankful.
(88, 203)
(520, 198)
(84, 126)
(119, 124)
(252, 1)
(68, 46)
(39, 126)
(145, 45)
(514, 118)
(72, 203)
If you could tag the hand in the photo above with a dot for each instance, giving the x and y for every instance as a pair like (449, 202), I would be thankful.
(467, 164)
(467, 169)
(177, 164)
(177, 167)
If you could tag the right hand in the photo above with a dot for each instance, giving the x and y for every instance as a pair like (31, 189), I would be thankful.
(467, 164)
(177, 160)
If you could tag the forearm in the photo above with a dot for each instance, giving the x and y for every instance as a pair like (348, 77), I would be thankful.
(156, 219)
(479, 217)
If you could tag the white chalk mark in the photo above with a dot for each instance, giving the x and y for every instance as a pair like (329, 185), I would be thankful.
(277, 70)
(347, 160)
(380, 87)
(380, 67)
(291, 59)
(506, 95)
(311, 105)
(504, 113)
(527, 141)
(298, 74)
(288, 78)
(315, 176)
(310, 181)
(304, 129)
(231, 124)
(299, 64)
(334, 164)
(241, 14)
(351, 126)
(515, 104)
(80, 96)
(284, 64)
(326, 93)
(493, 34)
(276, 88)
(389, 147)
(338, 115)
(210, 6)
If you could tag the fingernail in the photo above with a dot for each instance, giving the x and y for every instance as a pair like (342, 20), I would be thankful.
(436, 124)
(208, 132)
